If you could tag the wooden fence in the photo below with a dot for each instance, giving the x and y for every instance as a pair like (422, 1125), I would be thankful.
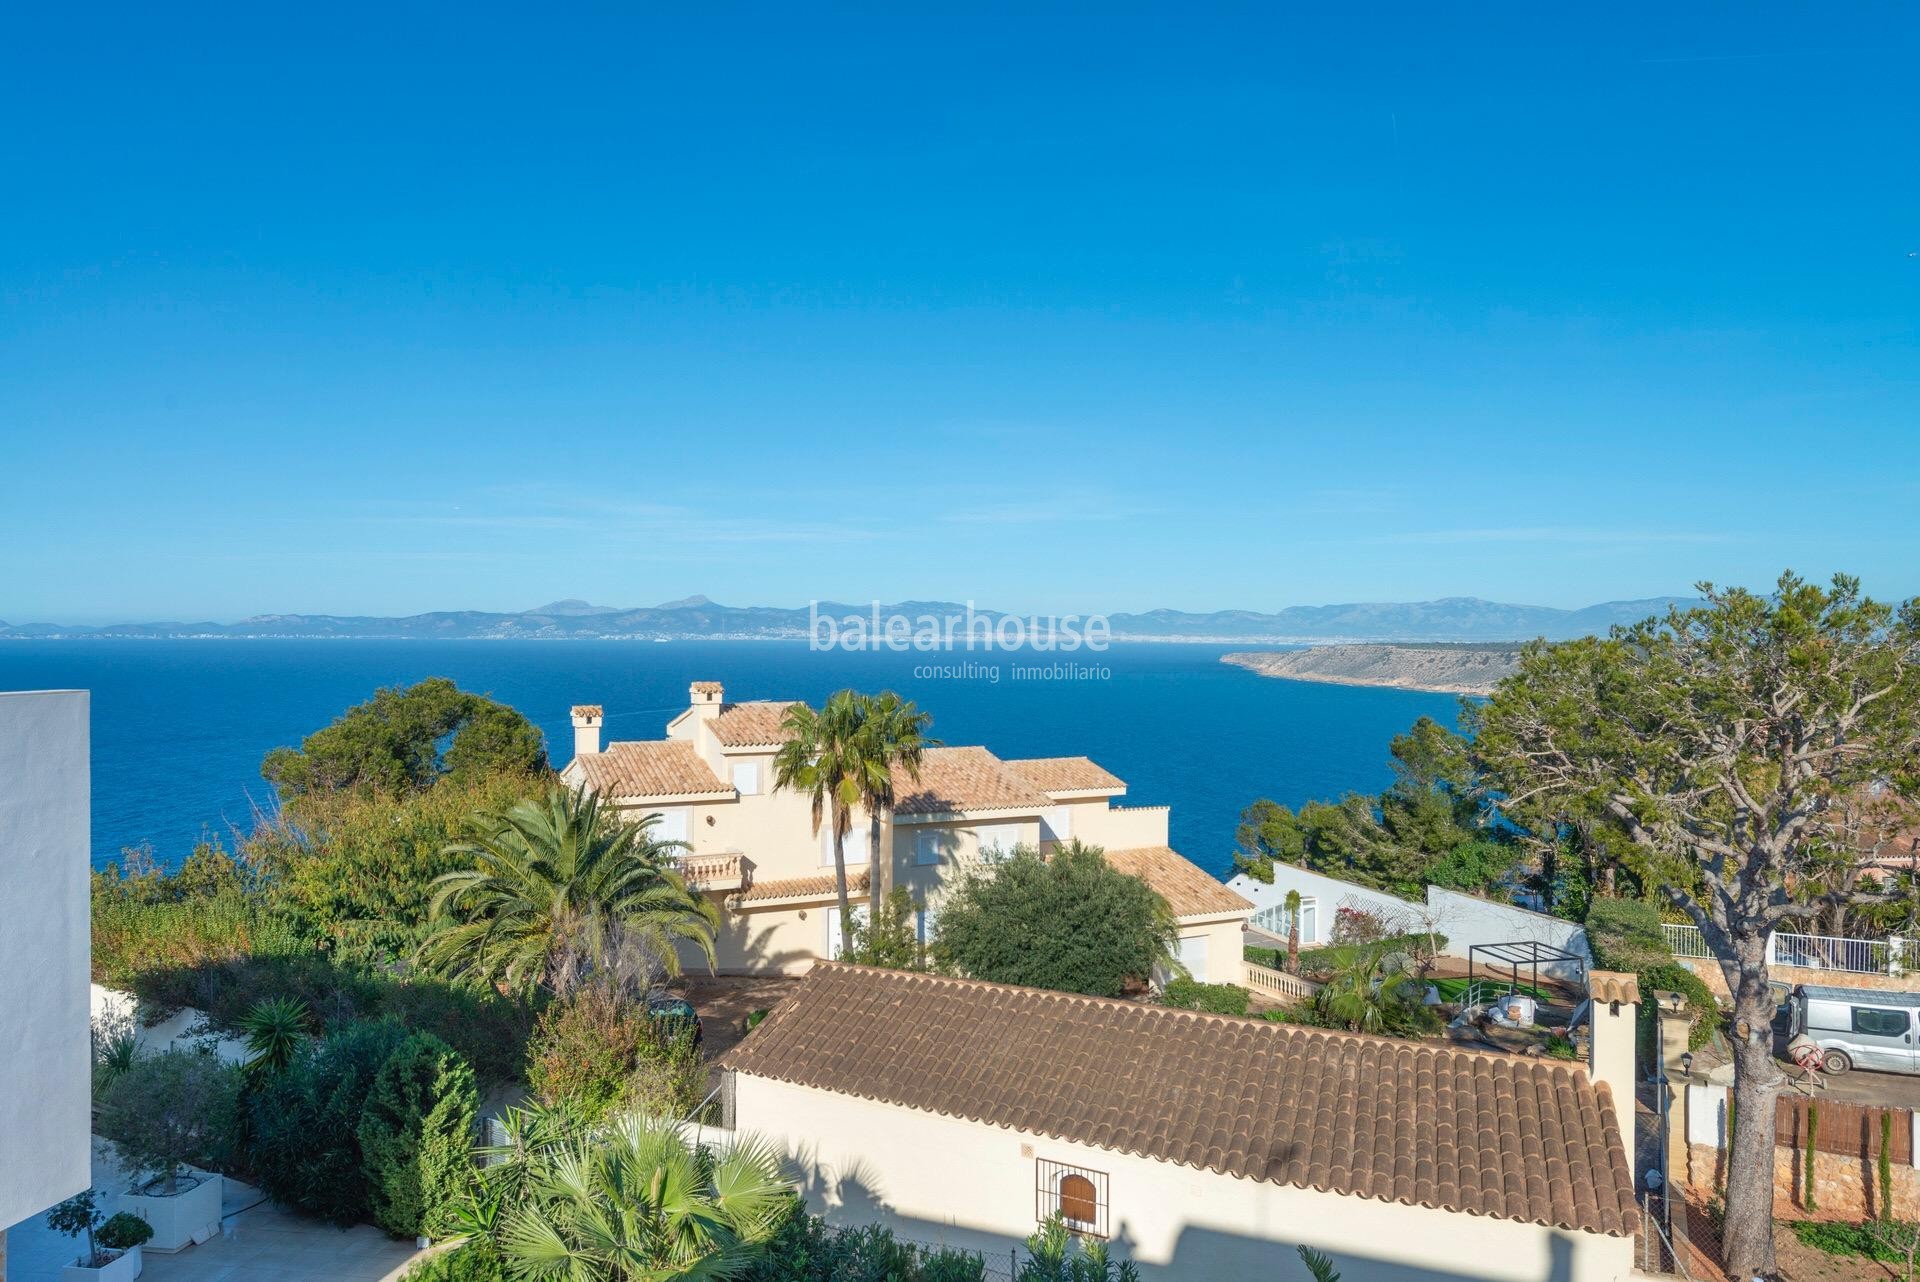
(1277, 984)
(1852, 1130)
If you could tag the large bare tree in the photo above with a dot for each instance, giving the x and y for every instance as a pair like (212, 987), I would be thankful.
(1723, 742)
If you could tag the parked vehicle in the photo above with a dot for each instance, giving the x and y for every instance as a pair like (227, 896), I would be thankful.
(1858, 1027)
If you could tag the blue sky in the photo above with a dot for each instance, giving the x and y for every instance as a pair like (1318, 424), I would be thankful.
(392, 308)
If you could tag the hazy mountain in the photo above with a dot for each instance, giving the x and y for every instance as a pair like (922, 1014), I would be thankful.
(696, 617)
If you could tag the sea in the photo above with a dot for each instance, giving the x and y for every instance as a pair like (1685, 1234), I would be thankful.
(180, 726)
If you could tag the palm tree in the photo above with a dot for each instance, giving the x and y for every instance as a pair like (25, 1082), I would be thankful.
(1293, 932)
(643, 1202)
(843, 757)
(896, 740)
(1319, 1265)
(823, 757)
(1375, 988)
(557, 881)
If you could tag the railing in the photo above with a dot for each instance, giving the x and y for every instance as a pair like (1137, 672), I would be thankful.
(1810, 952)
(1829, 952)
(1685, 941)
(1277, 984)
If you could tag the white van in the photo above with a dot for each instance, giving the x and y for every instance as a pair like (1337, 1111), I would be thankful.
(1859, 1027)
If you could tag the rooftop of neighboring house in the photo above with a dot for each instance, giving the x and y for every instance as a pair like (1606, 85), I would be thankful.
(950, 782)
(1417, 1123)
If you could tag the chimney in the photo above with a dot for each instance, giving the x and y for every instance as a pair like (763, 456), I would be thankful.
(706, 698)
(1616, 1007)
(586, 728)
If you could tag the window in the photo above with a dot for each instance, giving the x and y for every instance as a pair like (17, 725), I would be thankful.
(746, 778)
(1879, 1023)
(826, 841)
(672, 826)
(1274, 920)
(1077, 1195)
(1056, 824)
(926, 848)
(926, 922)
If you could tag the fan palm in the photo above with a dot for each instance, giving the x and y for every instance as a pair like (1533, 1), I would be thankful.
(642, 1203)
(555, 877)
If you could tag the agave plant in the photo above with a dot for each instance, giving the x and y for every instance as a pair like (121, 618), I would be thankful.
(555, 878)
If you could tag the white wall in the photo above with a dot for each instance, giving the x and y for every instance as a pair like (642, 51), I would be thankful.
(1464, 919)
(45, 1062)
(865, 1162)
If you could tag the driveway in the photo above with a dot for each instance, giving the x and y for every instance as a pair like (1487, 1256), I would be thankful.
(1880, 1090)
(725, 1002)
(258, 1243)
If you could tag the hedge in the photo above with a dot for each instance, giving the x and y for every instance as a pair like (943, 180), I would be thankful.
(1217, 999)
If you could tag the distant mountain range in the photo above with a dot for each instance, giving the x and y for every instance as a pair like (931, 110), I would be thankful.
(697, 618)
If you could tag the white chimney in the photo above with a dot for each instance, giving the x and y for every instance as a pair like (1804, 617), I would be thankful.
(586, 728)
(1616, 1007)
(706, 698)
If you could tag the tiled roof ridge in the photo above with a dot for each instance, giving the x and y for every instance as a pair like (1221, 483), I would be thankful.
(1171, 1012)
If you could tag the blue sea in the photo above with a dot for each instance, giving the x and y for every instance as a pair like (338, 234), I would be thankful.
(179, 727)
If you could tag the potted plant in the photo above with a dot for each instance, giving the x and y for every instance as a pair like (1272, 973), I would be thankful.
(113, 1245)
(169, 1117)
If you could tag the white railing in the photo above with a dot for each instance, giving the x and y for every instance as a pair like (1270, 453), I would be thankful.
(1685, 941)
(1830, 952)
(1269, 982)
(1810, 952)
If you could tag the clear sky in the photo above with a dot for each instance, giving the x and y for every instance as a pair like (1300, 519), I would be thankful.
(390, 308)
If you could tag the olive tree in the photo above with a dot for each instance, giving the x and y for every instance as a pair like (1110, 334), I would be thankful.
(1723, 742)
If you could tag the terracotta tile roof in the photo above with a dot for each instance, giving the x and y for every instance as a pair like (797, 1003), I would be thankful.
(1613, 986)
(1066, 774)
(1411, 1122)
(649, 768)
(801, 887)
(1189, 891)
(964, 779)
(705, 687)
(588, 710)
(751, 725)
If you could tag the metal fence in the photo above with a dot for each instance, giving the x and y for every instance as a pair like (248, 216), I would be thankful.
(1810, 952)
(1685, 941)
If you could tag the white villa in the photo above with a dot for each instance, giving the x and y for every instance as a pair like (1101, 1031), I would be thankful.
(755, 851)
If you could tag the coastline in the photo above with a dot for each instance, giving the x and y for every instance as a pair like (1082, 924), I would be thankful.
(1468, 670)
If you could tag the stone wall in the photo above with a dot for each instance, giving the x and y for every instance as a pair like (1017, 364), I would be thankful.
(1845, 1188)
(1907, 982)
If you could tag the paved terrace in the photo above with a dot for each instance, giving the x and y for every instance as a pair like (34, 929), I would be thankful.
(260, 1244)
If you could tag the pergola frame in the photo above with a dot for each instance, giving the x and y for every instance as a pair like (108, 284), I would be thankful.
(1518, 953)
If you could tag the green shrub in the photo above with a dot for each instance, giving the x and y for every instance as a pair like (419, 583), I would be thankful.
(1625, 935)
(1834, 1238)
(174, 1109)
(1271, 958)
(472, 1261)
(489, 1031)
(1422, 946)
(584, 1050)
(600, 1052)
(1702, 1005)
(124, 1232)
(305, 1123)
(807, 1249)
(416, 1136)
(1071, 922)
(1217, 999)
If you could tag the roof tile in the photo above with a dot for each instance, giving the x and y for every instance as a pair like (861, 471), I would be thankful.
(649, 768)
(1411, 1122)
